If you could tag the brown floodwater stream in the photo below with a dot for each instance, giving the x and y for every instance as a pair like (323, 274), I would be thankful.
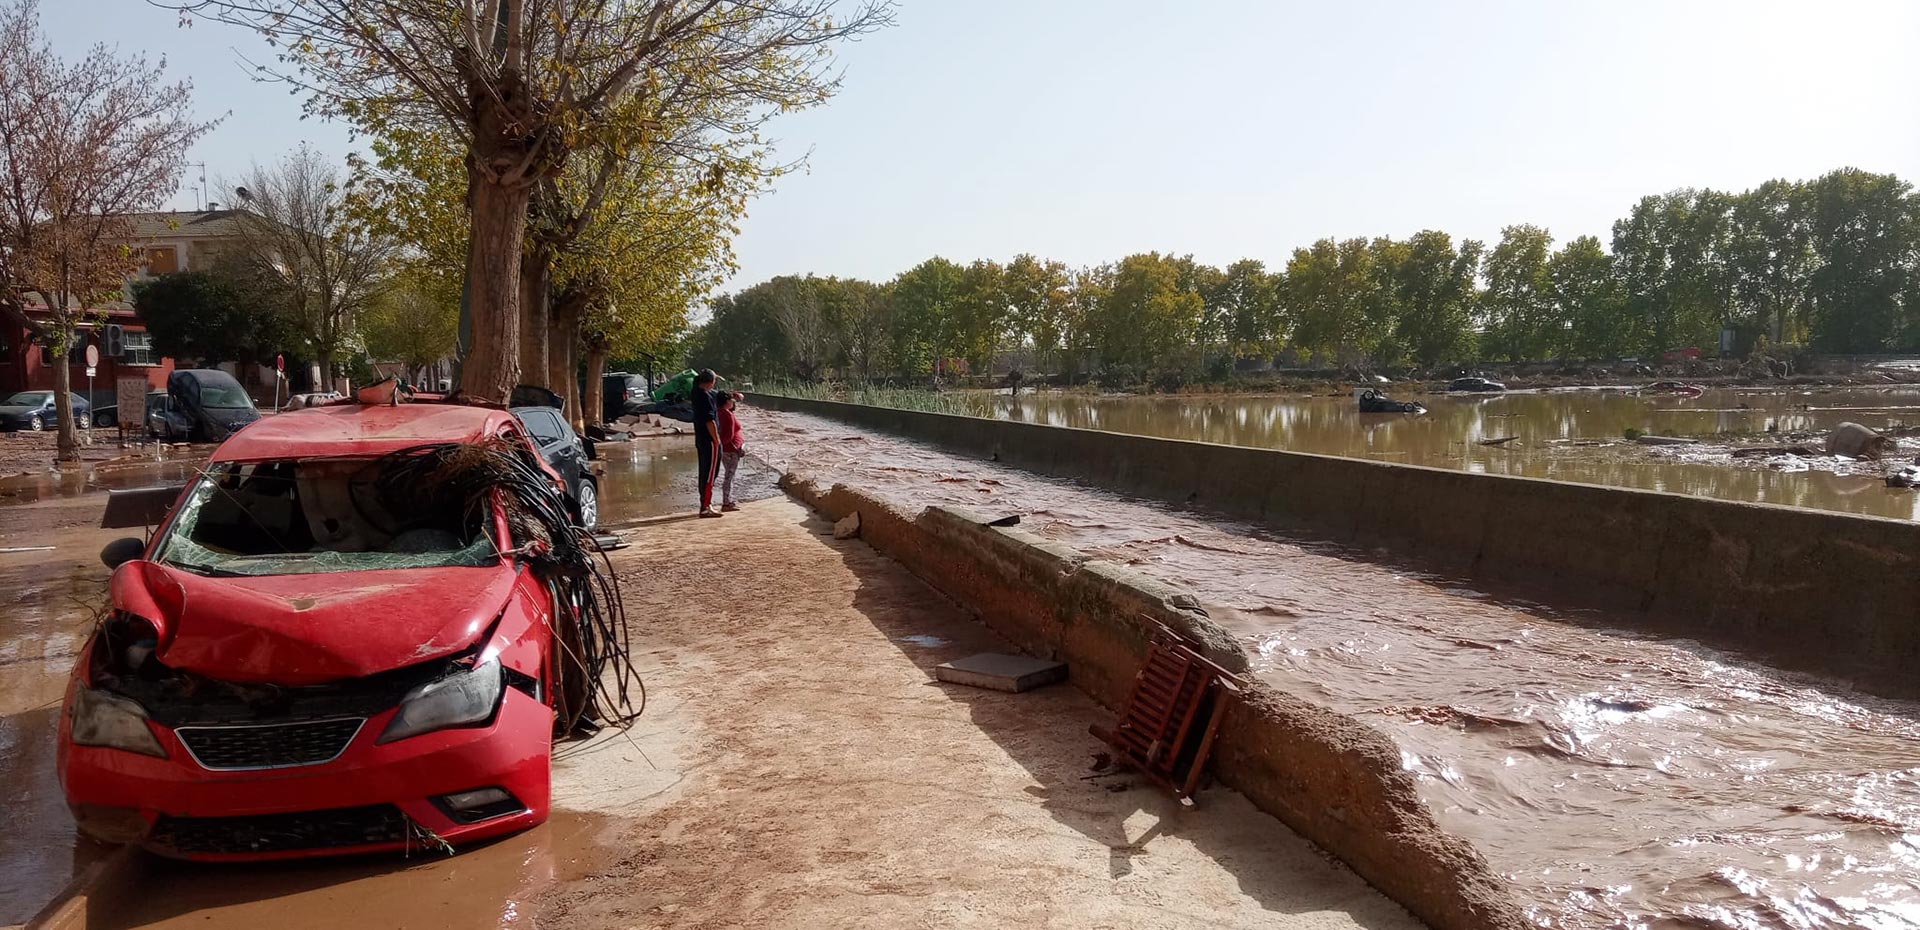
(1618, 779)
(1569, 435)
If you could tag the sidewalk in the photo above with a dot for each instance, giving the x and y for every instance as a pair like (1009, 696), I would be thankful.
(805, 771)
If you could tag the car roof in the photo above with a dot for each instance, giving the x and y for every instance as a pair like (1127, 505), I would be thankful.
(355, 430)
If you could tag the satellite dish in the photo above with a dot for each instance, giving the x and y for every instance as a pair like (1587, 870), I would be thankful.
(245, 194)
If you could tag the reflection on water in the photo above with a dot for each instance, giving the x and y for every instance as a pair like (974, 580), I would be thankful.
(1546, 426)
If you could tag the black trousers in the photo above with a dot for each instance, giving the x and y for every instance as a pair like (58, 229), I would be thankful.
(709, 470)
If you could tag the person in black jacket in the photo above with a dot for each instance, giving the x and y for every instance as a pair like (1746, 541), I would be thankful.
(706, 437)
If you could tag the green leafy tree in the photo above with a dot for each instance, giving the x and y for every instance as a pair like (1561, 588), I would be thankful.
(1589, 296)
(1248, 302)
(1519, 316)
(980, 315)
(1039, 298)
(1433, 286)
(1146, 315)
(1330, 292)
(415, 321)
(924, 303)
(213, 316)
(1773, 258)
(1864, 229)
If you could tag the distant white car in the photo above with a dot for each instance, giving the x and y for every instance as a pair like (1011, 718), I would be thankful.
(303, 401)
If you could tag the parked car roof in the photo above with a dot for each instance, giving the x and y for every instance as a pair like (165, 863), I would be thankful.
(352, 430)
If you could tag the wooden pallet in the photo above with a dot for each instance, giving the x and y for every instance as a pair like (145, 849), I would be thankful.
(1167, 728)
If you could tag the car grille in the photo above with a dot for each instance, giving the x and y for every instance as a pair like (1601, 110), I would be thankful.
(270, 746)
(263, 833)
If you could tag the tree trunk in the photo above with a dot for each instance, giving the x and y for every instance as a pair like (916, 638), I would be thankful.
(491, 367)
(563, 365)
(69, 442)
(595, 402)
(536, 291)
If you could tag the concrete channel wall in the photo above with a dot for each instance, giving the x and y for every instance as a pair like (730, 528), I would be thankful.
(1333, 779)
(1825, 592)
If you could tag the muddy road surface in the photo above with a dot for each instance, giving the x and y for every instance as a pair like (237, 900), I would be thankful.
(1619, 780)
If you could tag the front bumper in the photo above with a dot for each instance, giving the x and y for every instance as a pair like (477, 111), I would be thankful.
(371, 798)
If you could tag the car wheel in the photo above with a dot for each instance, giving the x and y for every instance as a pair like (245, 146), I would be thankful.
(35, 423)
(588, 501)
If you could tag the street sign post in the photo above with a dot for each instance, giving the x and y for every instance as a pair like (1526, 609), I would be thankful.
(93, 365)
(279, 375)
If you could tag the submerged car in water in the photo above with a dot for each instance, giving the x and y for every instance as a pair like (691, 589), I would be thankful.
(1475, 385)
(1371, 400)
(310, 657)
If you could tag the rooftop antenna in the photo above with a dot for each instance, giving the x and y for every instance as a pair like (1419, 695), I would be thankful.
(200, 201)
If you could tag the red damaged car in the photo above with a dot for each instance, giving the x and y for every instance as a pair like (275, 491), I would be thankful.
(309, 657)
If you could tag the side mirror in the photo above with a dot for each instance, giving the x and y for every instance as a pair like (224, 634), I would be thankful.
(122, 550)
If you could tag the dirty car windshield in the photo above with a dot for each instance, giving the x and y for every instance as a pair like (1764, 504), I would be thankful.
(223, 397)
(303, 517)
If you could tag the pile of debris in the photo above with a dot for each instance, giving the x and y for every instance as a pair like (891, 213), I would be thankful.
(635, 426)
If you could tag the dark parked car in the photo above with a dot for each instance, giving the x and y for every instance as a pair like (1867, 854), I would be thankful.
(1475, 385)
(569, 455)
(623, 394)
(34, 410)
(205, 405)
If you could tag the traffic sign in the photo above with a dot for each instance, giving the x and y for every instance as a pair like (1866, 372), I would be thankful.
(93, 357)
(280, 363)
(90, 367)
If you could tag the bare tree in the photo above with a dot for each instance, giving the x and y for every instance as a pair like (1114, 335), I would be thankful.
(523, 83)
(325, 267)
(83, 146)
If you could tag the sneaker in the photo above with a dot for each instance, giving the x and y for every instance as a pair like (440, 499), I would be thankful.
(729, 508)
(709, 513)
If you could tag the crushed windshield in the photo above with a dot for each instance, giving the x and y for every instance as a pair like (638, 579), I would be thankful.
(289, 518)
(29, 398)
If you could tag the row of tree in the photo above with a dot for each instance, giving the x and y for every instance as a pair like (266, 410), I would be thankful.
(1833, 263)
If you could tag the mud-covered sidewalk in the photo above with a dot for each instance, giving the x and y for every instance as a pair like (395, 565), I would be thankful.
(821, 778)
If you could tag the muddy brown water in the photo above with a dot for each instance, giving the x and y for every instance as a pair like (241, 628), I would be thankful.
(1553, 431)
(53, 593)
(1618, 780)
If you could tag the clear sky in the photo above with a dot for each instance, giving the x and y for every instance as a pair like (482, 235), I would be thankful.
(1083, 130)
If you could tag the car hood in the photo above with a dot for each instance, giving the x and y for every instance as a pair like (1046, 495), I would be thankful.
(15, 410)
(313, 628)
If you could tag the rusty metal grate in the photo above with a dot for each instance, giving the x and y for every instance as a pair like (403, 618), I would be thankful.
(1167, 728)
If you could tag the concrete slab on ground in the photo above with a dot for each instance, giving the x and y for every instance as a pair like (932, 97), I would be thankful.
(1001, 672)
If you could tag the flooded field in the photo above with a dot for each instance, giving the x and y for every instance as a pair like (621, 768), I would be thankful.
(1569, 435)
(1618, 780)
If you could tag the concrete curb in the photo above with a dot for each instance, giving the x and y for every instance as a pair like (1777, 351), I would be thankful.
(68, 909)
(1830, 593)
(1334, 780)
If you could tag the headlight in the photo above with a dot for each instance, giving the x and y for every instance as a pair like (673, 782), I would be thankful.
(459, 700)
(103, 719)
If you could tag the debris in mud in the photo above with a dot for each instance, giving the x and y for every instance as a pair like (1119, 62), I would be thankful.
(847, 527)
(1856, 441)
(1009, 520)
(1760, 451)
(1000, 672)
(1498, 442)
(1664, 441)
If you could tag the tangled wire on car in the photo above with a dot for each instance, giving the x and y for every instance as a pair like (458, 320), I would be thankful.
(597, 684)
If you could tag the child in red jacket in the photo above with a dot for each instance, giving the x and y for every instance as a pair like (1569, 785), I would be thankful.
(732, 447)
